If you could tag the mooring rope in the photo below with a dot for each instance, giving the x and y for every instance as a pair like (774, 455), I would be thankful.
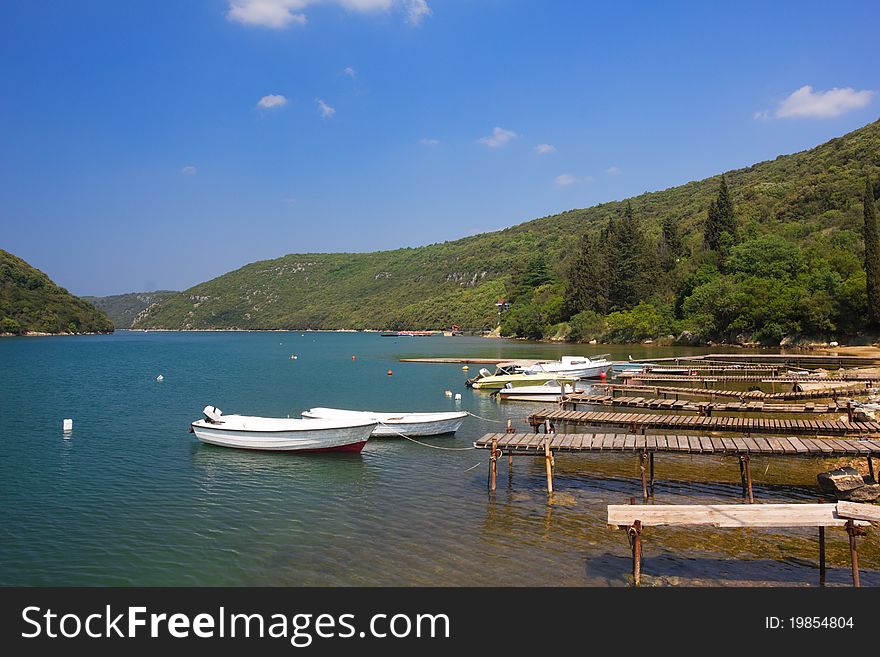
(485, 419)
(417, 442)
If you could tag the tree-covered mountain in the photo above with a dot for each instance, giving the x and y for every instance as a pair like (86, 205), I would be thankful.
(772, 250)
(31, 303)
(124, 309)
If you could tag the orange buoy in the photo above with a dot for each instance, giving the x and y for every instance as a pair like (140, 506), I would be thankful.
(602, 375)
(390, 372)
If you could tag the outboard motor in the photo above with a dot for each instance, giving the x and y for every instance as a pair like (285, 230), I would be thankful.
(212, 415)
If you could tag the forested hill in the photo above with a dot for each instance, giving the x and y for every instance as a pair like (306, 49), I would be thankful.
(124, 309)
(781, 256)
(31, 303)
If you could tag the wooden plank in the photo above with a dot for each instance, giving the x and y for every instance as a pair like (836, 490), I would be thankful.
(799, 447)
(727, 515)
(619, 439)
(858, 511)
(682, 443)
(776, 445)
(629, 442)
(694, 444)
(741, 445)
(752, 445)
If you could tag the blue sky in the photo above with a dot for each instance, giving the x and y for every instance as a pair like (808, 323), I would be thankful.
(150, 145)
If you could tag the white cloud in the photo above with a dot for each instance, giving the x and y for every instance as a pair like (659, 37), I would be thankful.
(275, 14)
(416, 11)
(350, 72)
(545, 149)
(189, 170)
(272, 100)
(498, 138)
(279, 14)
(806, 103)
(428, 142)
(613, 170)
(567, 179)
(325, 110)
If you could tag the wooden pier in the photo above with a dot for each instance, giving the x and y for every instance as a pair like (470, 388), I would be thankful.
(677, 391)
(748, 378)
(705, 424)
(572, 401)
(854, 518)
(645, 446)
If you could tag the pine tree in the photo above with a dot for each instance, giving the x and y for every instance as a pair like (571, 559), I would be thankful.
(632, 262)
(872, 254)
(587, 279)
(720, 219)
(670, 246)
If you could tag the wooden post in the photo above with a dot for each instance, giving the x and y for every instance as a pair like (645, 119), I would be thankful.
(871, 468)
(742, 475)
(643, 457)
(493, 464)
(853, 531)
(746, 460)
(821, 556)
(635, 533)
(548, 463)
(849, 415)
(651, 457)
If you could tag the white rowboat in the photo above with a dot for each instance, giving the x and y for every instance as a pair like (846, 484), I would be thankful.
(548, 392)
(282, 434)
(394, 424)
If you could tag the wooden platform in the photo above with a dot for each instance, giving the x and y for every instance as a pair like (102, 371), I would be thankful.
(571, 402)
(676, 392)
(746, 378)
(743, 425)
(622, 516)
(532, 443)
(850, 360)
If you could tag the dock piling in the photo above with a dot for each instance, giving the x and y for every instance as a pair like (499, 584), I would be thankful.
(493, 465)
(853, 532)
(651, 479)
(821, 551)
(548, 464)
(745, 473)
(871, 469)
(643, 458)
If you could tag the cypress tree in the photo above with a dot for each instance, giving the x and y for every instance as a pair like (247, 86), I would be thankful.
(670, 245)
(632, 263)
(587, 279)
(720, 219)
(872, 254)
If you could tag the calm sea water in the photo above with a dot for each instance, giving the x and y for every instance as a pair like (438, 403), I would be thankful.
(131, 498)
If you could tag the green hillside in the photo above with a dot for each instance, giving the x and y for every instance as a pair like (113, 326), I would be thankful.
(31, 302)
(124, 309)
(811, 201)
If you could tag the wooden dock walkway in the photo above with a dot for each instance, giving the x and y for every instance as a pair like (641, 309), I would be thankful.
(706, 424)
(531, 443)
(849, 360)
(572, 401)
(713, 393)
(749, 378)
(646, 446)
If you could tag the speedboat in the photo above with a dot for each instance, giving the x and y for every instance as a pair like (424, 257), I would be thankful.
(503, 376)
(282, 434)
(551, 391)
(395, 424)
(576, 367)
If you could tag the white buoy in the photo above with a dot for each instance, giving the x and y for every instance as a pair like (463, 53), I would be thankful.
(458, 396)
(292, 356)
(160, 378)
(448, 393)
(67, 425)
(464, 368)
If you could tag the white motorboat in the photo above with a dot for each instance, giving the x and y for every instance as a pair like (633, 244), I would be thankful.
(282, 434)
(394, 424)
(551, 391)
(575, 367)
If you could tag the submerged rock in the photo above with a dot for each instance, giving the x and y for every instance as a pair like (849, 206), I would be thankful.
(847, 484)
(840, 480)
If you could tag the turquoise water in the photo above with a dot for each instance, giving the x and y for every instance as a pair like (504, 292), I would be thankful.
(131, 498)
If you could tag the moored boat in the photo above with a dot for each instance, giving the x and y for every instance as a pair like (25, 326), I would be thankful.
(503, 376)
(394, 424)
(576, 367)
(551, 391)
(282, 434)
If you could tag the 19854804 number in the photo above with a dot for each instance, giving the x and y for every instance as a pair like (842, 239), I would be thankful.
(809, 622)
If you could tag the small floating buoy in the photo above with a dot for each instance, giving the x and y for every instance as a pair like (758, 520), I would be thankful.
(354, 357)
(465, 368)
(67, 425)
(292, 356)
(390, 372)
(602, 375)
(448, 393)
(458, 396)
(160, 378)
